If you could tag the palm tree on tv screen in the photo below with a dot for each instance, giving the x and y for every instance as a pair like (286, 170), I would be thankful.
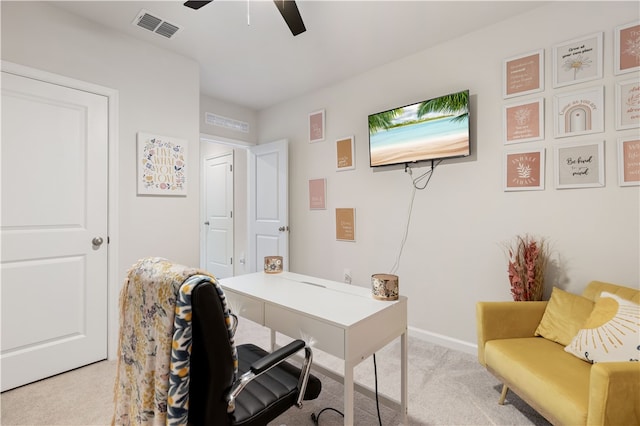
(453, 104)
(383, 120)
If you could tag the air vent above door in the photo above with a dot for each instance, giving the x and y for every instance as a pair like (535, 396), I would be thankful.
(150, 22)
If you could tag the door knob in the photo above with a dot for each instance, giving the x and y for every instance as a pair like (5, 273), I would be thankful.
(283, 228)
(207, 223)
(97, 241)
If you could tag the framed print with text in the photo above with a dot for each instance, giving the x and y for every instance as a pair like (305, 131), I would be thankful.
(317, 194)
(316, 126)
(627, 48)
(580, 165)
(345, 154)
(523, 74)
(524, 170)
(579, 113)
(629, 161)
(627, 104)
(162, 165)
(524, 121)
(346, 224)
(578, 60)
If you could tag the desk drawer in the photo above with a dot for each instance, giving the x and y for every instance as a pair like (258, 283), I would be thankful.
(245, 306)
(324, 336)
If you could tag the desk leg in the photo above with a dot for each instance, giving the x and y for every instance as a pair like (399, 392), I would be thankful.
(273, 339)
(348, 394)
(403, 376)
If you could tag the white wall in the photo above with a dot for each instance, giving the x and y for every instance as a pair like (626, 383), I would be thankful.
(158, 93)
(453, 256)
(232, 111)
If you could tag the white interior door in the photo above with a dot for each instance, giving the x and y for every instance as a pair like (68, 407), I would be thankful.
(218, 225)
(54, 229)
(268, 203)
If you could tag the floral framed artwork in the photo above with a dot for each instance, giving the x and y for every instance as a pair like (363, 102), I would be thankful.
(627, 48)
(346, 224)
(578, 60)
(162, 165)
(629, 161)
(628, 104)
(579, 113)
(316, 126)
(345, 154)
(523, 121)
(317, 194)
(524, 170)
(523, 74)
(579, 165)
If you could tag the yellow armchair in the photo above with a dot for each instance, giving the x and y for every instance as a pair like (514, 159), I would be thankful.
(561, 387)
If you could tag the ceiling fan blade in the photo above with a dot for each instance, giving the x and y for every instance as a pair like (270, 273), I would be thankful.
(289, 11)
(196, 4)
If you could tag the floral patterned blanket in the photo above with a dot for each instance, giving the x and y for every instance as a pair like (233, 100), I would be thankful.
(152, 382)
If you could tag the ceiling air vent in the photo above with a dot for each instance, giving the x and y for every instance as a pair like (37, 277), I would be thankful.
(150, 22)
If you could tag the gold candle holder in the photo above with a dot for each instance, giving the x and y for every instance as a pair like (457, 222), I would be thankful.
(273, 264)
(384, 286)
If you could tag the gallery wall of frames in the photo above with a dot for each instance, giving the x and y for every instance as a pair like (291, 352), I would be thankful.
(577, 108)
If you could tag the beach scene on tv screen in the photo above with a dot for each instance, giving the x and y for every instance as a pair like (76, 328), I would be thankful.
(437, 128)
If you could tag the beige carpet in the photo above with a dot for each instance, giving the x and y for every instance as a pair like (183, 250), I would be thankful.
(446, 387)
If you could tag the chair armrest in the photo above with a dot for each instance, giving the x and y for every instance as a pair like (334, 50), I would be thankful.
(276, 357)
(614, 394)
(269, 361)
(506, 320)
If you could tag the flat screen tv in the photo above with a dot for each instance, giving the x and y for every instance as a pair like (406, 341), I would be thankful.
(433, 129)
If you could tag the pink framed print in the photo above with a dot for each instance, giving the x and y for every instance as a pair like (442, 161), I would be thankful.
(524, 170)
(627, 48)
(524, 121)
(579, 113)
(317, 194)
(316, 126)
(629, 161)
(523, 74)
(345, 154)
(580, 165)
(627, 104)
(578, 60)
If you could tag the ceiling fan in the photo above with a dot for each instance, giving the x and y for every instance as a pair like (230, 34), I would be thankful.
(288, 9)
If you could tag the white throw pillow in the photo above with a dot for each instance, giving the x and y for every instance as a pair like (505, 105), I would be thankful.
(611, 333)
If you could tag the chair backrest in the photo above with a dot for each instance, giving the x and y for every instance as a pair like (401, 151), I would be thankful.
(212, 371)
(594, 288)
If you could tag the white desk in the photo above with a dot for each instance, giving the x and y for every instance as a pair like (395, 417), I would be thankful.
(340, 319)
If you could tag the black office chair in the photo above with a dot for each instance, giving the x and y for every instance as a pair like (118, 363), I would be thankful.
(266, 385)
(158, 376)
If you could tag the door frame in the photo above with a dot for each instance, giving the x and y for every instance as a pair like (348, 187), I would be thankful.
(112, 194)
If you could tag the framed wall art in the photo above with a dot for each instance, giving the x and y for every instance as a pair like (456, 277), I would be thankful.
(524, 170)
(162, 165)
(523, 74)
(346, 224)
(524, 121)
(317, 194)
(629, 161)
(579, 113)
(627, 104)
(578, 60)
(627, 48)
(316, 126)
(345, 154)
(580, 165)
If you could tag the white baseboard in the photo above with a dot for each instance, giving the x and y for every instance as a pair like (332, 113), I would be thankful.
(446, 341)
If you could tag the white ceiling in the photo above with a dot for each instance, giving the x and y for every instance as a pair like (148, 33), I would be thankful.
(258, 63)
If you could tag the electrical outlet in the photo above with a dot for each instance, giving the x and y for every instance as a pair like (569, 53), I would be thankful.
(347, 275)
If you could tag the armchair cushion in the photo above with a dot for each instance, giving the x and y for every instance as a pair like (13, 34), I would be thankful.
(611, 333)
(564, 316)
